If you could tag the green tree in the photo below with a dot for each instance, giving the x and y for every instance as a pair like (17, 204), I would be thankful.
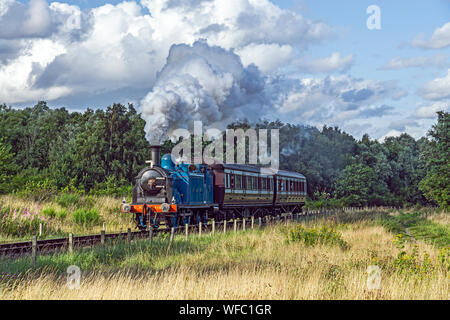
(7, 167)
(436, 184)
(355, 185)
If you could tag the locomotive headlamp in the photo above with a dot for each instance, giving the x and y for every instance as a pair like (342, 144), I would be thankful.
(165, 207)
(126, 207)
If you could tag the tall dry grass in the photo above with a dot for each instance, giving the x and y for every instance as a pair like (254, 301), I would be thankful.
(253, 265)
(107, 207)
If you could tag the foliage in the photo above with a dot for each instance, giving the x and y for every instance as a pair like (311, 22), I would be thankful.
(68, 199)
(436, 185)
(19, 222)
(86, 217)
(7, 167)
(44, 151)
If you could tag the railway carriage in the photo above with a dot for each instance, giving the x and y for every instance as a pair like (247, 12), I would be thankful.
(179, 194)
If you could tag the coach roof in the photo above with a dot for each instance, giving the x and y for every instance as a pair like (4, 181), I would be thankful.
(255, 169)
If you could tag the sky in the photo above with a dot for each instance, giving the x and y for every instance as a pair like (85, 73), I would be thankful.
(300, 61)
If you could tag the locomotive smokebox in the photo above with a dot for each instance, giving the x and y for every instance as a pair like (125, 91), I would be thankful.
(155, 151)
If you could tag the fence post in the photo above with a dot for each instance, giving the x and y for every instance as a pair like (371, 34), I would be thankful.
(243, 224)
(40, 229)
(186, 230)
(70, 242)
(235, 225)
(102, 239)
(150, 234)
(129, 235)
(172, 232)
(200, 228)
(224, 226)
(260, 222)
(213, 228)
(253, 221)
(34, 250)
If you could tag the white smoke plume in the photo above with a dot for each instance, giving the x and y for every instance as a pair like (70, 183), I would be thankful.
(201, 82)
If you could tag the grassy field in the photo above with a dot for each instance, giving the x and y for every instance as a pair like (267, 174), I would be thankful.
(66, 213)
(320, 259)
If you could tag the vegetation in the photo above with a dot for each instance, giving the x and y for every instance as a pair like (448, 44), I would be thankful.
(252, 264)
(46, 151)
(80, 214)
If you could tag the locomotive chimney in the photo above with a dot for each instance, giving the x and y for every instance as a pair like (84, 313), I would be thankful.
(155, 150)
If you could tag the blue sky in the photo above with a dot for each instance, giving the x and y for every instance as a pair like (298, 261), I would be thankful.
(323, 64)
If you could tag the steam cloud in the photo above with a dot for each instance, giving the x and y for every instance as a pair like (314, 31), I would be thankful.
(201, 82)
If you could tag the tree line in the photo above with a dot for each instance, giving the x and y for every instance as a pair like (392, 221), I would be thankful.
(45, 150)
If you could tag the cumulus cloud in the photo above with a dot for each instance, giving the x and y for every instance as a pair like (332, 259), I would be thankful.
(391, 133)
(437, 89)
(440, 38)
(328, 64)
(403, 124)
(437, 60)
(112, 47)
(268, 57)
(154, 49)
(333, 100)
(428, 111)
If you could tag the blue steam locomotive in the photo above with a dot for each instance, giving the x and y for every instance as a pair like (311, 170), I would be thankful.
(182, 193)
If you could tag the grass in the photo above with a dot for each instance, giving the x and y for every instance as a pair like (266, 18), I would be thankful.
(420, 226)
(66, 213)
(252, 264)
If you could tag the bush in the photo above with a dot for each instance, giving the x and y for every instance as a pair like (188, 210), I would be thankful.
(49, 212)
(313, 236)
(85, 217)
(19, 222)
(61, 214)
(68, 199)
(37, 187)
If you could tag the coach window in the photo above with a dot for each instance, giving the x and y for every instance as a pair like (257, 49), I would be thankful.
(232, 181)
(238, 181)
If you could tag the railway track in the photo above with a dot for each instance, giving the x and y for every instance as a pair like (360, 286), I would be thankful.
(51, 245)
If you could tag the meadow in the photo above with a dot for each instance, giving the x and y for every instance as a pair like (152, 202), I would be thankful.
(60, 215)
(315, 259)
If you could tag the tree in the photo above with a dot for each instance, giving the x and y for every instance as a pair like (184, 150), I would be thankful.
(7, 167)
(436, 184)
(355, 185)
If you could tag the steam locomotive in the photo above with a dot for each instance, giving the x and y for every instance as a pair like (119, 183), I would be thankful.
(181, 193)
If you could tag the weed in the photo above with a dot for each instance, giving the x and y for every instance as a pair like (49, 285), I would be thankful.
(86, 217)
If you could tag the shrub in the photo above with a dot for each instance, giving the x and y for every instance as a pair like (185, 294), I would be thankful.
(313, 236)
(61, 214)
(19, 222)
(68, 199)
(49, 212)
(85, 217)
(37, 188)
